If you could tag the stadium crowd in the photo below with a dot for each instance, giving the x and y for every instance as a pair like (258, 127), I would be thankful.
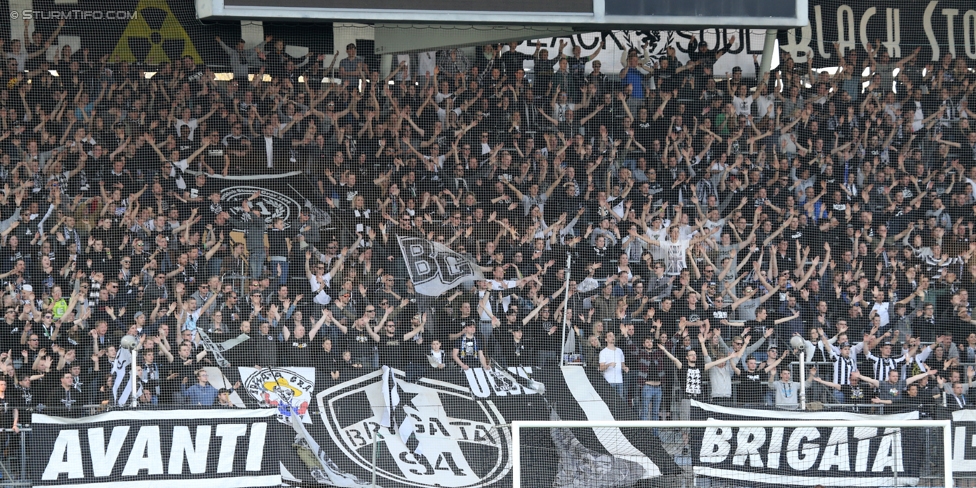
(707, 218)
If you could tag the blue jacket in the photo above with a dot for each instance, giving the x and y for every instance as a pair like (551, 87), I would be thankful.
(195, 394)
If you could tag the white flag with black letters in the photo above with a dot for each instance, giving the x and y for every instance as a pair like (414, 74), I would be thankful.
(434, 268)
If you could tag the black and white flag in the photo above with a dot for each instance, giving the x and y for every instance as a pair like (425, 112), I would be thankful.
(218, 349)
(395, 416)
(122, 369)
(434, 268)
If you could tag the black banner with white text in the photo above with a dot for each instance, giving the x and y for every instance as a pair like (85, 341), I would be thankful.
(806, 456)
(456, 437)
(939, 27)
(213, 447)
(964, 442)
(446, 429)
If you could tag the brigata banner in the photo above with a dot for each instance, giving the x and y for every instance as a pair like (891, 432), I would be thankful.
(807, 456)
(138, 448)
(964, 443)
(446, 429)
(451, 430)
(939, 27)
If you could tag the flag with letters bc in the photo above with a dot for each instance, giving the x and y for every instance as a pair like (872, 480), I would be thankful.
(434, 268)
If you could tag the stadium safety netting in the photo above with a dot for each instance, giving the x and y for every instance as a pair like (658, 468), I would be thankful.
(254, 253)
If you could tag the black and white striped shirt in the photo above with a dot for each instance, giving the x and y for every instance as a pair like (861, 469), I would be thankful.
(882, 366)
(843, 367)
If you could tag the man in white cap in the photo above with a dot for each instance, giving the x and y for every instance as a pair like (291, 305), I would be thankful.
(27, 297)
(140, 322)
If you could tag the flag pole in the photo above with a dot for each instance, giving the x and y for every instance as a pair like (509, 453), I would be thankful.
(562, 344)
(133, 380)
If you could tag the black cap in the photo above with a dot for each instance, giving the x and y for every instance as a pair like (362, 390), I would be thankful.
(737, 69)
(845, 344)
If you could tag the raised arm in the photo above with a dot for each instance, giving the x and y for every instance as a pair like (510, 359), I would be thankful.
(775, 364)
(677, 364)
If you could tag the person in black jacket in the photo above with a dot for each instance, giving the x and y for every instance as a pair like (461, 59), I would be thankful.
(265, 346)
(181, 366)
(515, 350)
(279, 241)
(328, 358)
(271, 152)
(64, 399)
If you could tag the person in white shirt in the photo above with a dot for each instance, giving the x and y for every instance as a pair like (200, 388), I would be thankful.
(612, 364)
(764, 100)
(318, 279)
(658, 231)
(675, 249)
(742, 102)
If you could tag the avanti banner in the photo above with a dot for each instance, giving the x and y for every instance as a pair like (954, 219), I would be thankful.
(225, 447)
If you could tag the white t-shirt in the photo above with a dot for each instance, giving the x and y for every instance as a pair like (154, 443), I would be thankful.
(743, 106)
(765, 105)
(190, 124)
(658, 235)
(709, 225)
(613, 374)
(881, 308)
(322, 297)
(403, 75)
(674, 256)
(191, 320)
(504, 285)
(438, 357)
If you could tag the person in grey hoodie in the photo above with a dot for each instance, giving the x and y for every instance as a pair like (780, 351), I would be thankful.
(741, 343)
(254, 227)
(243, 60)
(720, 373)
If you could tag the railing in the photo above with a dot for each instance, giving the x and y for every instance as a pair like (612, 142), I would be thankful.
(21, 478)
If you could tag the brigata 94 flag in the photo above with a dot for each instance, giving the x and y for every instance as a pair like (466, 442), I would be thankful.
(434, 268)
(228, 447)
(807, 456)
